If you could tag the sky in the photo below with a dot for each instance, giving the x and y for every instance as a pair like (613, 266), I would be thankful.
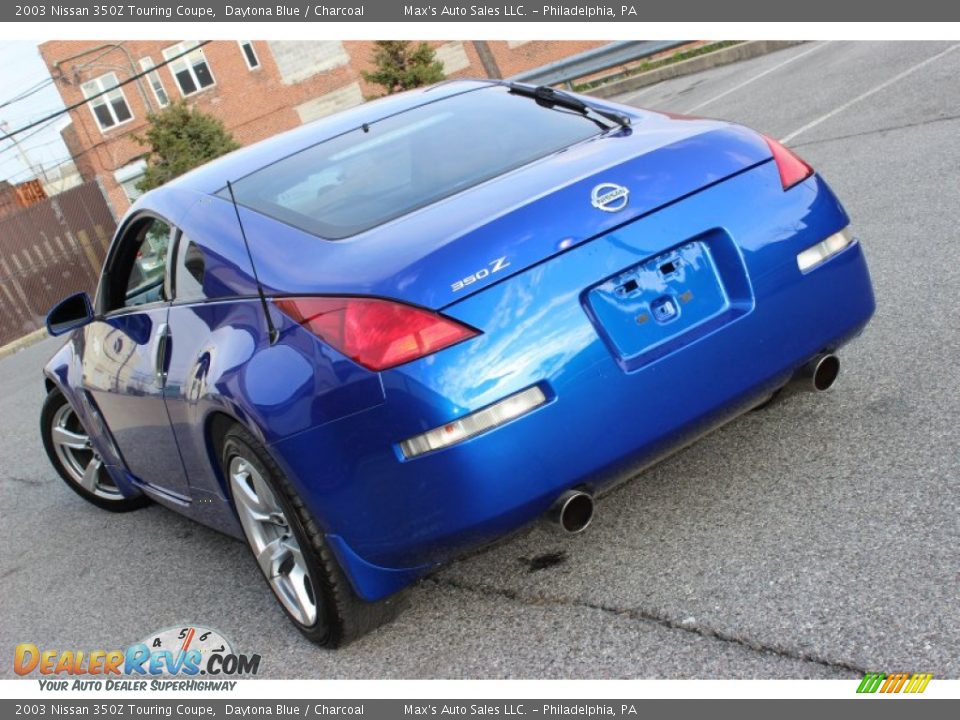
(25, 69)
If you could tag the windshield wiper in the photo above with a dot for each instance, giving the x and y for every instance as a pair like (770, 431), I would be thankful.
(546, 95)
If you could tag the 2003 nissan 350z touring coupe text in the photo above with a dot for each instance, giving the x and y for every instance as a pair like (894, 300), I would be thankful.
(377, 341)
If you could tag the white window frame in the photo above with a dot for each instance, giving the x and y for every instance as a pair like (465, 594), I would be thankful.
(243, 51)
(103, 94)
(127, 175)
(153, 80)
(189, 47)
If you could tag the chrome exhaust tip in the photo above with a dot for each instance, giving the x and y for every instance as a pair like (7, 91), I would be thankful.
(822, 371)
(816, 375)
(572, 511)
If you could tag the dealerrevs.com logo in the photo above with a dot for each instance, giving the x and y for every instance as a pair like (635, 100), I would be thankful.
(180, 658)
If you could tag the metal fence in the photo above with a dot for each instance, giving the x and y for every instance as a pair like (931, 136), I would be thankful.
(50, 250)
(597, 60)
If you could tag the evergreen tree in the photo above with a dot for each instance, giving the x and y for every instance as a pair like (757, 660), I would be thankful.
(181, 138)
(401, 66)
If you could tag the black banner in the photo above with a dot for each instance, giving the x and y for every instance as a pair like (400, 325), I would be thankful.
(524, 11)
(501, 709)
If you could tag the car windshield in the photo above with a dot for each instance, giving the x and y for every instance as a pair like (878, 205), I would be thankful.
(370, 175)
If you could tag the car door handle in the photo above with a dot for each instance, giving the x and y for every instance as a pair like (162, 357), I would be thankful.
(160, 361)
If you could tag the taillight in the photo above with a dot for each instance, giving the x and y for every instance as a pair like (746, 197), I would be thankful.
(378, 334)
(792, 169)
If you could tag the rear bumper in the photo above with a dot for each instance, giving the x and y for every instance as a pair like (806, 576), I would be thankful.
(392, 518)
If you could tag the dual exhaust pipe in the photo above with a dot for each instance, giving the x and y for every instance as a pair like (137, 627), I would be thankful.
(818, 374)
(572, 512)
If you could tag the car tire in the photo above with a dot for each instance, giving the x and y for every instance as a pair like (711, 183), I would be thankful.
(340, 616)
(80, 467)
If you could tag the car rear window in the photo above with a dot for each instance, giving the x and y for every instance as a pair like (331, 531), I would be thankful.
(365, 177)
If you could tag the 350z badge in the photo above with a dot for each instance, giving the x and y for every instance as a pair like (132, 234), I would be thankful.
(493, 266)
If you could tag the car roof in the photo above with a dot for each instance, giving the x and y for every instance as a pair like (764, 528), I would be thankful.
(213, 176)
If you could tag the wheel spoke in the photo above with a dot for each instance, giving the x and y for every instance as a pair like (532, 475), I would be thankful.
(272, 556)
(296, 581)
(245, 496)
(243, 477)
(267, 501)
(91, 474)
(70, 439)
(77, 456)
(276, 550)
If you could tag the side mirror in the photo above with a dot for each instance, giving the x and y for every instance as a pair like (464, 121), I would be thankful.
(70, 313)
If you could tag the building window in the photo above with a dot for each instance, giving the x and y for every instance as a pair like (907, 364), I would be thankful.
(153, 77)
(109, 109)
(191, 71)
(129, 175)
(249, 54)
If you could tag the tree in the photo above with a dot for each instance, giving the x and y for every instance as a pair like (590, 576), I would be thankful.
(181, 138)
(400, 66)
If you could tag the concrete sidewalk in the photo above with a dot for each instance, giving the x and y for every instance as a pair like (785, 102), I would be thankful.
(23, 342)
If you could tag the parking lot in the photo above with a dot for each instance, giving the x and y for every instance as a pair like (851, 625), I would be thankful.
(817, 538)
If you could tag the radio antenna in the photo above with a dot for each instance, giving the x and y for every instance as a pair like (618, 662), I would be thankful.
(271, 329)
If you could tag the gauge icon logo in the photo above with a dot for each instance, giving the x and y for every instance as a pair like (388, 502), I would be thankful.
(197, 643)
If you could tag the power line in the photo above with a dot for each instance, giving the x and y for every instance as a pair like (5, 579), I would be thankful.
(37, 87)
(32, 90)
(27, 174)
(27, 137)
(83, 102)
(48, 143)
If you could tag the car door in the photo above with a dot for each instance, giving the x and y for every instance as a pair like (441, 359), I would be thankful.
(126, 353)
(209, 335)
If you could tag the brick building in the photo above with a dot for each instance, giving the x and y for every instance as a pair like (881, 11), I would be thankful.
(14, 198)
(257, 88)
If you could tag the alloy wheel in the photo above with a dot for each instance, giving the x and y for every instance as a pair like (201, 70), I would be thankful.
(273, 542)
(82, 462)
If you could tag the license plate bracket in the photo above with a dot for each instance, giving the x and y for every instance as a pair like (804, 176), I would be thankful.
(665, 302)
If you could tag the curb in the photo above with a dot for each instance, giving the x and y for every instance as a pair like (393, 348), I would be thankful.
(20, 343)
(735, 53)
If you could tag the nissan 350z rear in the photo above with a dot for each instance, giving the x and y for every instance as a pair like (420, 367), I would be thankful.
(407, 330)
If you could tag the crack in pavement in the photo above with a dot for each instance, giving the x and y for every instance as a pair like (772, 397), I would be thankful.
(655, 618)
(25, 481)
(864, 133)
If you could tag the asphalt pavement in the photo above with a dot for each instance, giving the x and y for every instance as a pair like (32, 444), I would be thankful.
(817, 538)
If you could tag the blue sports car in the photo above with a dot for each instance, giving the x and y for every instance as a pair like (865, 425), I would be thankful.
(377, 341)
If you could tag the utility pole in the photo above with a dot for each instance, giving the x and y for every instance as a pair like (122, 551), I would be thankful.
(487, 59)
